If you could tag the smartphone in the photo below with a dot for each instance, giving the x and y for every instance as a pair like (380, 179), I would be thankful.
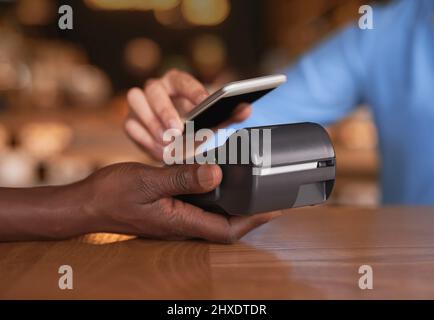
(219, 106)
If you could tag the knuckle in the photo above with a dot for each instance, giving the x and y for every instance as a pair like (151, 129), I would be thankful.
(149, 120)
(167, 208)
(187, 81)
(199, 92)
(173, 72)
(227, 235)
(146, 187)
(153, 126)
(230, 237)
(173, 221)
(152, 85)
(179, 181)
(166, 113)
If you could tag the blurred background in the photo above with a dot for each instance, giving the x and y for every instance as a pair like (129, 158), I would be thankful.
(62, 92)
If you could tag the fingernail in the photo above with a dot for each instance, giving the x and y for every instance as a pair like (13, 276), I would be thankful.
(201, 97)
(175, 124)
(206, 177)
(274, 214)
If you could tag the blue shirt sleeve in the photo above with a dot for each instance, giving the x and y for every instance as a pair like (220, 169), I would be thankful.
(324, 86)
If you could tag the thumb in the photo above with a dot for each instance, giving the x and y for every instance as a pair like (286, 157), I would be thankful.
(186, 179)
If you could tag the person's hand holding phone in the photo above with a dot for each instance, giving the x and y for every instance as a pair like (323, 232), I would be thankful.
(162, 104)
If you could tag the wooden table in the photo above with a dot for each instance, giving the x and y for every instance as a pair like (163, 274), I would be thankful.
(312, 253)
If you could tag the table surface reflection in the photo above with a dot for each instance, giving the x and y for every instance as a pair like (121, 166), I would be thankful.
(311, 253)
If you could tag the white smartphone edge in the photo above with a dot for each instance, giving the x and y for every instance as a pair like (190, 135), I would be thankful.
(237, 88)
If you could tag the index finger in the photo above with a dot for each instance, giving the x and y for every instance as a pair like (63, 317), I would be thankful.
(181, 84)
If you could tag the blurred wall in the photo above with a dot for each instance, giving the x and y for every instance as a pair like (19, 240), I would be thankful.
(62, 92)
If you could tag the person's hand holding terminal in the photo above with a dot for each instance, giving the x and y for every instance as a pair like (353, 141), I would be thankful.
(128, 198)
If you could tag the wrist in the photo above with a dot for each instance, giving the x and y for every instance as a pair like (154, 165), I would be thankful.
(55, 212)
(71, 212)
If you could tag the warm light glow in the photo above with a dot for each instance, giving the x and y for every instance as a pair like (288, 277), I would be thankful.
(142, 55)
(8, 76)
(168, 17)
(132, 4)
(45, 139)
(88, 86)
(176, 62)
(35, 12)
(4, 137)
(209, 53)
(64, 169)
(205, 12)
(17, 169)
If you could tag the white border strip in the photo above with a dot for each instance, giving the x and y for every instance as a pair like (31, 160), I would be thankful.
(285, 169)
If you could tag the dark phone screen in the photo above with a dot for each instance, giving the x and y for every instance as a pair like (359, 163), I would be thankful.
(223, 109)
